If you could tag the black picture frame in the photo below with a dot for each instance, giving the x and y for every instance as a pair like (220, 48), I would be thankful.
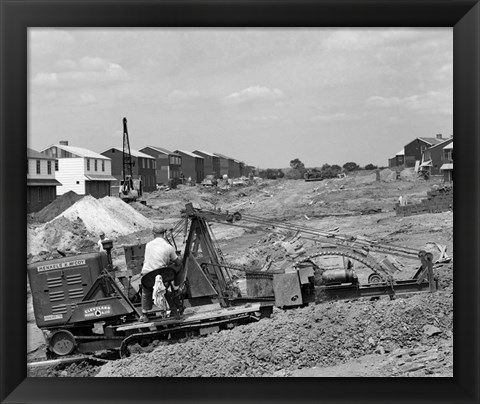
(17, 16)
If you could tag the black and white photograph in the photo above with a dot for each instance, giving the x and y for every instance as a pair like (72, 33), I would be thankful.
(240, 202)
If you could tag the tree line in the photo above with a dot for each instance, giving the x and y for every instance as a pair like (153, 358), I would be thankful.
(298, 170)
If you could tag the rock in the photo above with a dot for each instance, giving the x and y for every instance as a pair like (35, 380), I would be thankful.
(430, 330)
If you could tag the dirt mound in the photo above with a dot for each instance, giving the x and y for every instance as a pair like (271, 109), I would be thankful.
(108, 214)
(76, 229)
(319, 335)
(408, 174)
(60, 234)
(59, 205)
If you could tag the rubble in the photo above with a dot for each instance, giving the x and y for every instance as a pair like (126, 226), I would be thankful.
(321, 335)
(59, 205)
(439, 199)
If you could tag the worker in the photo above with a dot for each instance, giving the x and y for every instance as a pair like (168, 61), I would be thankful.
(161, 259)
(99, 242)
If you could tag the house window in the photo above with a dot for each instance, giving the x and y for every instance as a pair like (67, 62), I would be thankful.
(38, 166)
(103, 165)
(88, 164)
(49, 167)
(56, 165)
(154, 164)
(96, 165)
(422, 148)
(78, 182)
(143, 163)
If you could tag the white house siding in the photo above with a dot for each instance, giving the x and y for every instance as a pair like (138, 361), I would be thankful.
(32, 169)
(70, 171)
(108, 167)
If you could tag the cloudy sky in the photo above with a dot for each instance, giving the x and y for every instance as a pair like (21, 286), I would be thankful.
(263, 96)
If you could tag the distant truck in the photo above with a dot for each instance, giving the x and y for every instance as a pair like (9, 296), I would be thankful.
(210, 181)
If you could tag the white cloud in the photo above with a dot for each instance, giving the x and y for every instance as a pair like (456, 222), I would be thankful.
(432, 102)
(337, 117)
(361, 39)
(46, 79)
(87, 70)
(254, 94)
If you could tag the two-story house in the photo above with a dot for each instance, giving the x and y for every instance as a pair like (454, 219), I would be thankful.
(211, 163)
(447, 166)
(192, 166)
(398, 160)
(143, 169)
(226, 165)
(168, 164)
(432, 158)
(414, 149)
(41, 182)
(81, 170)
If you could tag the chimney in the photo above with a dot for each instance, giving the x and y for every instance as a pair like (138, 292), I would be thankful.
(439, 136)
(65, 142)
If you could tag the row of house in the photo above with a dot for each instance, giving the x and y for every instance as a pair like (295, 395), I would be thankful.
(60, 168)
(433, 156)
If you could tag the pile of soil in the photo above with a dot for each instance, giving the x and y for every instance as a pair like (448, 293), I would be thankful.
(108, 214)
(58, 206)
(76, 229)
(319, 335)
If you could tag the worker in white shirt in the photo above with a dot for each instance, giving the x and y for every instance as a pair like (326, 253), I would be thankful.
(99, 242)
(160, 259)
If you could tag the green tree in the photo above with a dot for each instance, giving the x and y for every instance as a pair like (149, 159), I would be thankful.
(296, 164)
(351, 166)
(370, 166)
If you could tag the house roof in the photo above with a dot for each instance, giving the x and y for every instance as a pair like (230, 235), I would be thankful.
(97, 177)
(222, 156)
(449, 146)
(133, 152)
(401, 153)
(447, 166)
(189, 154)
(33, 154)
(161, 150)
(205, 152)
(431, 140)
(47, 182)
(441, 143)
(79, 151)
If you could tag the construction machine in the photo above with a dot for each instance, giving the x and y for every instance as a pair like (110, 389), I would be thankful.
(130, 189)
(84, 305)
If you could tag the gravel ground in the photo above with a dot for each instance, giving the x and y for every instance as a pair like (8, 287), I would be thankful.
(316, 336)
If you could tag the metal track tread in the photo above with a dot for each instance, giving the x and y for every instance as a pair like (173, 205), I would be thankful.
(368, 262)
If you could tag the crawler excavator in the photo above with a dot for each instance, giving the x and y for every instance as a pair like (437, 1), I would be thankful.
(85, 306)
